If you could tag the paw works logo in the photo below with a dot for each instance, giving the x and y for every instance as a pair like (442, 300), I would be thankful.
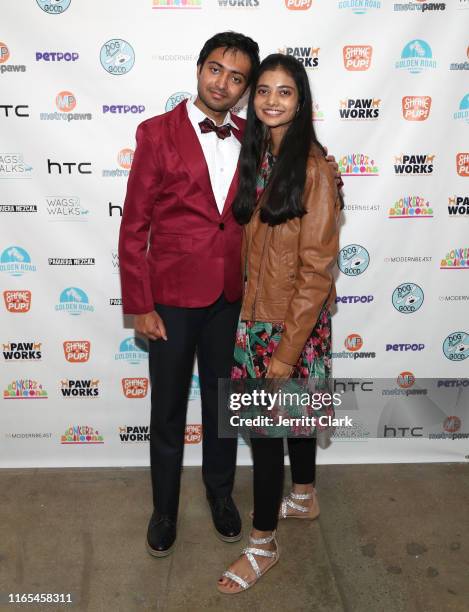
(416, 57)
(458, 206)
(456, 346)
(74, 301)
(133, 350)
(22, 351)
(456, 259)
(414, 163)
(81, 434)
(463, 113)
(358, 164)
(411, 207)
(360, 109)
(16, 261)
(88, 388)
(24, 388)
(359, 7)
(308, 56)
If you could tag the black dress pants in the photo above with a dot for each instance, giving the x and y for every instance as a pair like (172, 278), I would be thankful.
(210, 333)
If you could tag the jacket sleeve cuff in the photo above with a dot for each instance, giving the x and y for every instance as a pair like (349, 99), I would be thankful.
(287, 354)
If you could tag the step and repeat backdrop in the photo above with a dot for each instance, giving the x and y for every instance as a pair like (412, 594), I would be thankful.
(391, 102)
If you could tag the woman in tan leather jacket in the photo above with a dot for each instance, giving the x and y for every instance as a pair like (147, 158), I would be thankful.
(289, 205)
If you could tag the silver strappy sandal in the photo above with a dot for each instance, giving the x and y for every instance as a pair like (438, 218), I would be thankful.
(290, 500)
(250, 552)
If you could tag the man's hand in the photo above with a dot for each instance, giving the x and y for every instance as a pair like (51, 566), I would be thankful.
(150, 325)
(335, 165)
(278, 369)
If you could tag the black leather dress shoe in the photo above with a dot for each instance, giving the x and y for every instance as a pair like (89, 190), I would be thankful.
(225, 518)
(161, 535)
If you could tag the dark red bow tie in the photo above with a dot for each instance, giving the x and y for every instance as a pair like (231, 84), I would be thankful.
(222, 131)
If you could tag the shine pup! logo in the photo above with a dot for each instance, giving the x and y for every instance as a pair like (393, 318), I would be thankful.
(298, 5)
(308, 56)
(416, 108)
(117, 56)
(54, 7)
(359, 109)
(462, 164)
(357, 164)
(74, 301)
(175, 99)
(81, 434)
(193, 433)
(411, 207)
(359, 7)
(17, 300)
(24, 388)
(416, 56)
(353, 259)
(456, 259)
(133, 350)
(81, 388)
(124, 160)
(16, 261)
(77, 351)
(357, 57)
(22, 351)
(135, 388)
(463, 113)
(458, 206)
(407, 298)
(421, 164)
(456, 346)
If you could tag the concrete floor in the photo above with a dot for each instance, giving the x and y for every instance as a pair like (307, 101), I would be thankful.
(390, 538)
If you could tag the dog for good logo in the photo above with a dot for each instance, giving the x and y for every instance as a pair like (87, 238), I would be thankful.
(71, 388)
(405, 380)
(24, 388)
(135, 388)
(54, 7)
(458, 206)
(13, 166)
(463, 113)
(353, 259)
(177, 4)
(74, 301)
(117, 56)
(22, 351)
(16, 261)
(17, 300)
(308, 56)
(411, 207)
(456, 346)
(353, 342)
(357, 164)
(77, 351)
(175, 99)
(81, 434)
(413, 164)
(359, 109)
(407, 298)
(133, 350)
(456, 259)
(462, 164)
(193, 433)
(357, 57)
(416, 108)
(416, 57)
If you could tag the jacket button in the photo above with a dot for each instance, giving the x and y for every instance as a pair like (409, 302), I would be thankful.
(222, 226)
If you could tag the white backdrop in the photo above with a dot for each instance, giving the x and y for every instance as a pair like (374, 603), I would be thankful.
(391, 102)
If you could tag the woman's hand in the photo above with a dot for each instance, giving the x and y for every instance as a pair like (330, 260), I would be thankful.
(278, 369)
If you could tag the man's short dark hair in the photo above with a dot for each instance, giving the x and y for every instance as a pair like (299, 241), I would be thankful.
(235, 41)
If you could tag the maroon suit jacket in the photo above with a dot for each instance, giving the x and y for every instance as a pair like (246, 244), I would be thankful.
(174, 246)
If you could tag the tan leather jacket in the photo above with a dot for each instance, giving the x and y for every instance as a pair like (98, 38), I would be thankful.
(289, 266)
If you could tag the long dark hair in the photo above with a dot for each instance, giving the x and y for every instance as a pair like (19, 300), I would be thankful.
(284, 193)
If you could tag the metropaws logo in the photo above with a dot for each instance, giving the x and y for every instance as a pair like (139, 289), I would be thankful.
(17, 300)
(456, 346)
(4, 57)
(77, 351)
(65, 102)
(124, 160)
(135, 388)
(175, 99)
(66, 208)
(133, 350)
(22, 351)
(353, 344)
(308, 56)
(463, 113)
(359, 7)
(461, 65)
(88, 388)
(16, 261)
(360, 109)
(456, 259)
(420, 6)
(74, 301)
(24, 388)
(353, 259)
(411, 207)
(416, 108)
(458, 206)
(416, 57)
(357, 164)
(13, 166)
(81, 434)
(117, 56)
(193, 433)
(54, 7)
(414, 163)
(357, 57)
(407, 298)
(462, 164)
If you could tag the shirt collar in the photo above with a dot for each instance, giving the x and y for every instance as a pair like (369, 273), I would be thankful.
(196, 115)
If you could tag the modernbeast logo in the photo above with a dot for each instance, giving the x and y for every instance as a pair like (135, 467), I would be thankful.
(357, 164)
(88, 388)
(17, 300)
(463, 113)
(308, 56)
(81, 434)
(458, 206)
(22, 351)
(24, 388)
(416, 108)
(407, 298)
(124, 159)
(353, 259)
(359, 7)
(416, 56)
(13, 166)
(117, 56)
(357, 57)
(134, 433)
(77, 351)
(411, 207)
(17, 110)
(16, 261)
(66, 208)
(456, 259)
(462, 164)
(175, 99)
(74, 301)
(364, 109)
(4, 57)
(135, 388)
(456, 346)
(409, 163)
(54, 7)
(193, 434)
(404, 347)
(57, 56)
(420, 5)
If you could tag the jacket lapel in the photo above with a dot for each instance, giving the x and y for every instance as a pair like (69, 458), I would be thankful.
(239, 133)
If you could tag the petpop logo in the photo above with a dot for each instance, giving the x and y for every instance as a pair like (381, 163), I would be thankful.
(357, 164)
(81, 434)
(458, 206)
(123, 109)
(4, 57)
(66, 208)
(308, 56)
(413, 164)
(422, 6)
(416, 108)
(354, 343)
(124, 159)
(353, 259)
(175, 99)
(407, 298)
(22, 351)
(177, 4)
(133, 350)
(411, 207)
(65, 102)
(12, 166)
(456, 346)
(416, 56)
(16, 261)
(404, 347)
(134, 433)
(88, 388)
(77, 351)
(359, 7)
(57, 56)
(24, 388)
(462, 164)
(456, 259)
(461, 65)
(17, 300)
(135, 388)
(117, 56)
(360, 109)
(54, 7)
(193, 434)
(357, 57)
(354, 299)
(463, 113)
(194, 391)
(74, 301)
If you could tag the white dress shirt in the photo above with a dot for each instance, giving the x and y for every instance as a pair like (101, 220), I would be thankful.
(220, 154)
